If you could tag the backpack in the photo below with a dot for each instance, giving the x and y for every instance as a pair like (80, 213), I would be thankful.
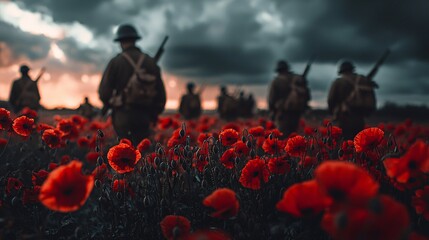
(230, 106)
(362, 98)
(191, 106)
(297, 98)
(140, 89)
(29, 96)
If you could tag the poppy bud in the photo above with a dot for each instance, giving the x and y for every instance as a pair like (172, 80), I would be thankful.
(271, 136)
(119, 195)
(15, 201)
(248, 144)
(340, 152)
(173, 164)
(204, 184)
(162, 166)
(176, 232)
(243, 139)
(157, 161)
(97, 183)
(147, 202)
(176, 150)
(100, 160)
(252, 153)
(187, 148)
(319, 156)
(215, 149)
(100, 133)
(97, 148)
(160, 151)
(182, 133)
(395, 150)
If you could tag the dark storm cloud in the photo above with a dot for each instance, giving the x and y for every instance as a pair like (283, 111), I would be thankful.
(23, 44)
(229, 44)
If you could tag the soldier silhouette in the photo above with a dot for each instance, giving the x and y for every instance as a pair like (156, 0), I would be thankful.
(227, 106)
(132, 87)
(190, 103)
(350, 99)
(25, 92)
(250, 106)
(288, 98)
(86, 109)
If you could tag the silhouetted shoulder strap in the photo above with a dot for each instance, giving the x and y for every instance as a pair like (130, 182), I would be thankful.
(135, 65)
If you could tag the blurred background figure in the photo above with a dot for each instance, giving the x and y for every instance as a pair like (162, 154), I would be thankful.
(86, 109)
(132, 87)
(190, 103)
(228, 106)
(25, 92)
(249, 106)
(288, 98)
(351, 98)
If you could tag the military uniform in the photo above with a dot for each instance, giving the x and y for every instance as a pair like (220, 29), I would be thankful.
(131, 121)
(187, 108)
(351, 122)
(287, 120)
(24, 86)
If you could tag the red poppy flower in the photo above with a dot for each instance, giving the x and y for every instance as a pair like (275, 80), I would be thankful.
(43, 126)
(336, 132)
(347, 150)
(278, 165)
(225, 203)
(52, 138)
(228, 137)
(231, 125)
(254, 173)
(384, 219)
(126, 141)
(303, 199)
(203, 137)
(257, 131)
(296, 146)
(228, 158)
(83, 142)
(101, 172)
(415, 160)
(38, 178)
(273, 145)
(65, 159)
(345, 182)
(308, 131)
(368, 139)
(175, 227)
(28, 112)
(5, 120)
(68, 127)
(307, 162)
(31, 195)
(177, 138)
(144, 145)
(92, 157)
(13, 183)
(3, 142)
(66, 188)
(421, 202)
(241, 148)
(79, 121)
(52, 166)
(23, 126)
(210, 234)
(123, 158)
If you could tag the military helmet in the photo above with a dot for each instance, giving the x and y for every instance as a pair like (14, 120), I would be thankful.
(190, 86)
(346, 66)
(282, 66)
(24, 69)
(126, 32)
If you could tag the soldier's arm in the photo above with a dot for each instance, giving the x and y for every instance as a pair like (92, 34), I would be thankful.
(333, 96)
(272, 96)
(162, 98)
(13, 94)
(105, 90)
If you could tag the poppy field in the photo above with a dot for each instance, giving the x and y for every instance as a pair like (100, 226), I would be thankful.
(67, 177)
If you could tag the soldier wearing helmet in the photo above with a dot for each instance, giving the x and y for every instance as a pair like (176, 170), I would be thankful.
(132, 87)
(24, 92)
(190, 103)
(350, 120)
(288, 98)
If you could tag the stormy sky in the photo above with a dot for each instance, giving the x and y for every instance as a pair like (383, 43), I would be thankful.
(234, 42)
